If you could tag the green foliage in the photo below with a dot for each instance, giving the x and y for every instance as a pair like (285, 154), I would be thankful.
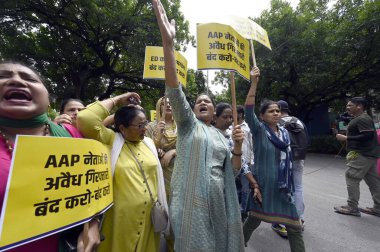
(196, 84)
(320, 55)
(52, 113)
(327, 145)
(87, 48)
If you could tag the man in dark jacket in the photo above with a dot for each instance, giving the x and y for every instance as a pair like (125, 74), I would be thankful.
(363, 152)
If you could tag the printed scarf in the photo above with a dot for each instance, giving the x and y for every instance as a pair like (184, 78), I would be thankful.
(285, 169)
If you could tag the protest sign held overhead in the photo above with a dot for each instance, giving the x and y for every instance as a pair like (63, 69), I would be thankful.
(57, 184)
(154, 64)
(246, 28)
(221, 47)
(250, 30)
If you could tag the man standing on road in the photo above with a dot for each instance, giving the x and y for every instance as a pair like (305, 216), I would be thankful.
(363, 151)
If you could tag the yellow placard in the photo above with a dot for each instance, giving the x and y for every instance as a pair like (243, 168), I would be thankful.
(221, 47)
(154, 67)
(54, 183)
(152, 115)
(250, 30)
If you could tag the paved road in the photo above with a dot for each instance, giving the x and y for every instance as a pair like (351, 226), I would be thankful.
(324, 187)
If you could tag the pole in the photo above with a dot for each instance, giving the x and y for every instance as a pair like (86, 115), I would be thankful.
(233, 94)
(207, 83)
(253, 53)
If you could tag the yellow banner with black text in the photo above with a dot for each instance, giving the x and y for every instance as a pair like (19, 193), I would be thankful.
(154, 65)
(54, 184)
(219, 46)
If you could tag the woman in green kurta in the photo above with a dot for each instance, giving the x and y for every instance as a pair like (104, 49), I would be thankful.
(204, 209)
(273, 171)
(127, 225)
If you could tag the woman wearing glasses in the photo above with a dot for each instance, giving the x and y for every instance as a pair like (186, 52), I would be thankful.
(136, 172)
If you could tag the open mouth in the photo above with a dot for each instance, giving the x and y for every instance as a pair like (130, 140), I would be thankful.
(203, 109)
(17, 95)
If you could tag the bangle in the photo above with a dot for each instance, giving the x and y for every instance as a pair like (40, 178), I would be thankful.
(236, 154)
(96, 219)
(113, 101)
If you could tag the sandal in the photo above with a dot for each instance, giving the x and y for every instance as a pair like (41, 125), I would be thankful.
(370, 210)
(347, 210)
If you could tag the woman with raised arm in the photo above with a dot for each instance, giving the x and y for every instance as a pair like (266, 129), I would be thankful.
(137, 174)
(204, 209)
(273, 171)
(24, 101)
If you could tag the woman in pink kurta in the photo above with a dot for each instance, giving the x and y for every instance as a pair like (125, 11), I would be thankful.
(23, 105)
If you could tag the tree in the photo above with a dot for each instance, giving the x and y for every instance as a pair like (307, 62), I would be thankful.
(196, 84)
(89, 48)
(320, 55)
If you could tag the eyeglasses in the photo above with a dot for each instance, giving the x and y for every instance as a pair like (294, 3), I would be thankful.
(141, 125)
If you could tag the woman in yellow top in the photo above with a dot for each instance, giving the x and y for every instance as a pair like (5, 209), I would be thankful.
(163, 131)
(127, 225)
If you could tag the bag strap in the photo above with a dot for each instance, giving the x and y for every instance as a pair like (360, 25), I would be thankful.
(161, 193)
(116, 149)
(142, 172)
(293, 120)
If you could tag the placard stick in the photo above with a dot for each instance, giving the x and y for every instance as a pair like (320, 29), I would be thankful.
(163, 115)
(253, 53)
(164, 109)
(233, 94)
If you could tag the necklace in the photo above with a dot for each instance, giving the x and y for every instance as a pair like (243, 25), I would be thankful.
(8, 143)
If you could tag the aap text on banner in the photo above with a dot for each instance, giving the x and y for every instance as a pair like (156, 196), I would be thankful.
(154, 65)
(54, 183)
(221, 47)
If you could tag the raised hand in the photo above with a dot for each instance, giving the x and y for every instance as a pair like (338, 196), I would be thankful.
(167, 28)
(128, 98)
(255, 74)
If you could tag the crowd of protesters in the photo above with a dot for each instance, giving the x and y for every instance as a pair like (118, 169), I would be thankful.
(216, 181)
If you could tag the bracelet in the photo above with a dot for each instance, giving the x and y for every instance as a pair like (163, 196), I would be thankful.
(236, 154)
(113, 101)
(96, 219)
